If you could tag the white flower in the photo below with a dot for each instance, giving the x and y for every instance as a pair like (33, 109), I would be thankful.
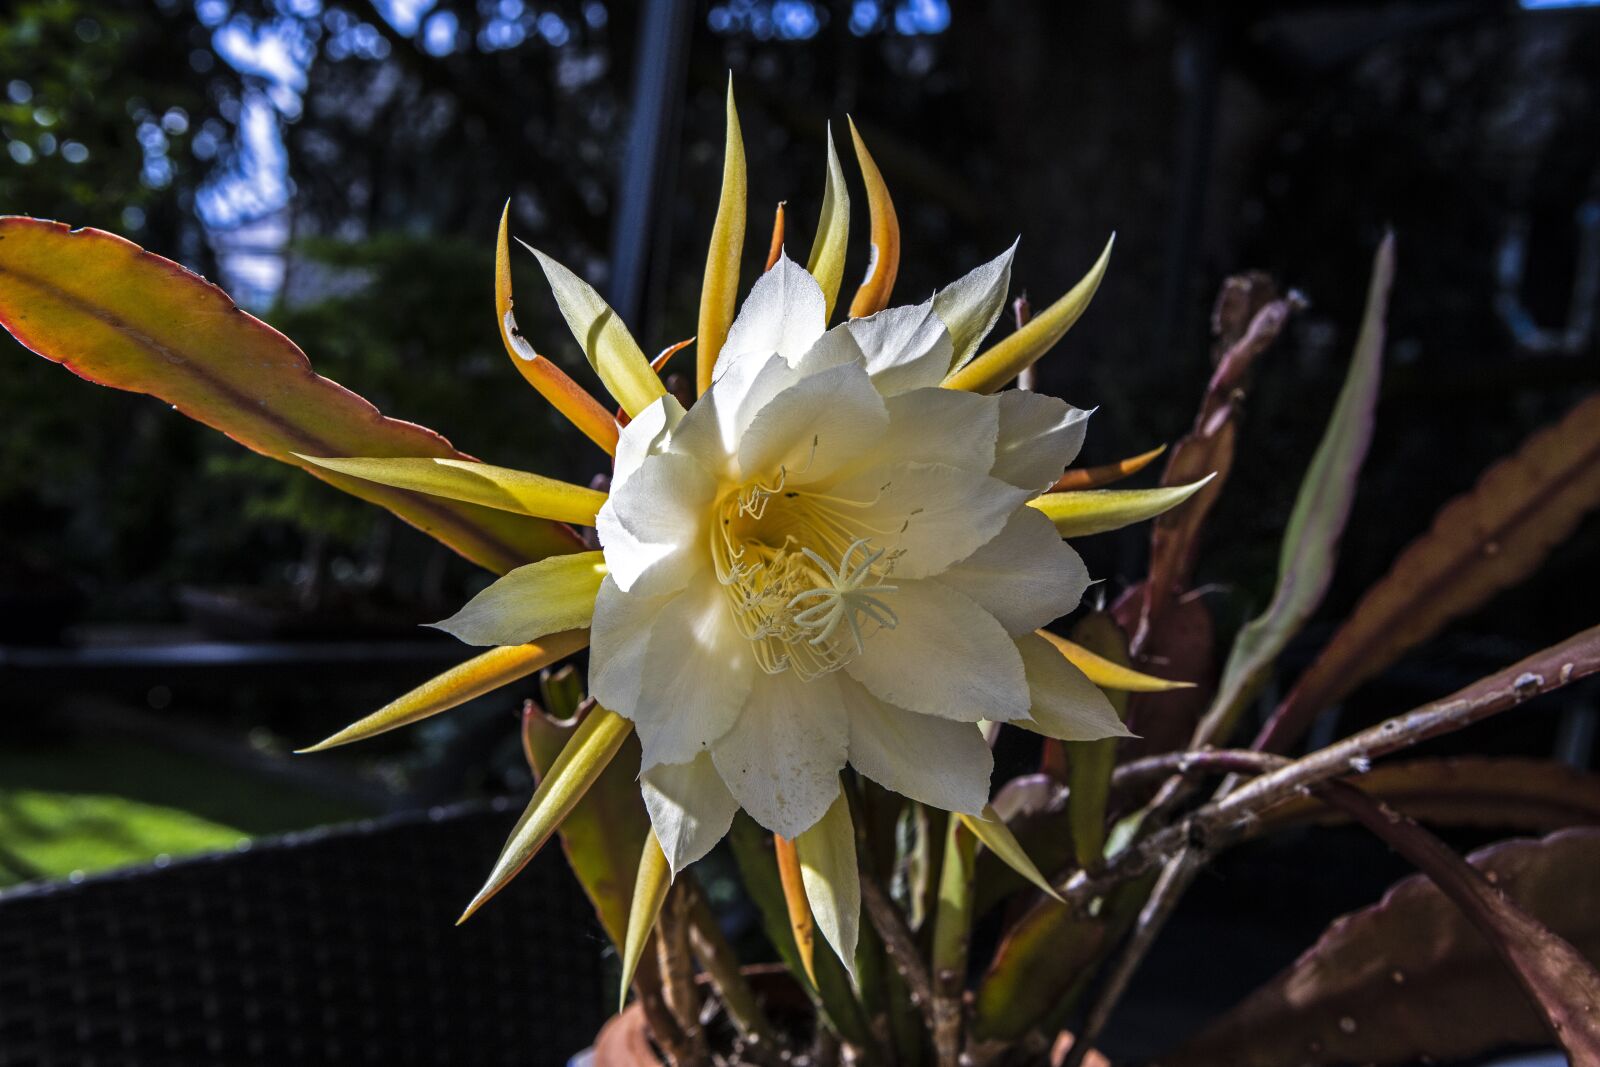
(830, 559)
(841, 555)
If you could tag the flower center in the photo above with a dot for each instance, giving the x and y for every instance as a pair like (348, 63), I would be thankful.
(805, 583)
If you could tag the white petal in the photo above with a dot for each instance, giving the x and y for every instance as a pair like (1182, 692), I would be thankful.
(647, 435)
(929, 515)
(827, 854)
(942, 763)
(697, 673)
(784, 313)
(813, 427)
(1065, 704)
(690, 808)
(782, 758)
(617, 639)
(970, 305)
(933, 425)
(1026, 577)
(1039, 436)
(945, 656)
(711, 430)
(529, 602)
(904, 347)
(653, 527)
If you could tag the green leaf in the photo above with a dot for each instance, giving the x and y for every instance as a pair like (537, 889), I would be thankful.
(952, 917)
(1090, 763)
(996, 836)
(115, 314)
(1311, 541)
(758, 870)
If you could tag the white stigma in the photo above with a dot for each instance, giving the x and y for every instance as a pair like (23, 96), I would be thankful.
(845, 598)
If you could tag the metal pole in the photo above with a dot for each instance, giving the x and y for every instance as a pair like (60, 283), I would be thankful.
(644, 188)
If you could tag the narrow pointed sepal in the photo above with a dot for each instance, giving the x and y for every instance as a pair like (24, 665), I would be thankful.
(1092, 511)
(997, 837)
(1107, 473)
(1107, 674)
(476, 483)
(592, 747)
(827, 854)
(467, 681)
(604, 338)
(719, 290)
(801, 924)
(826, 262)
(531, 602)
(565, 395)
(649, 892)
(883, 258)
(1063, 702)
(775, 246)
(1016, 353)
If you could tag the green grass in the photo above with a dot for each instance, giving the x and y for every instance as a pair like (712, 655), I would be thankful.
(92, 804)
(52, 835)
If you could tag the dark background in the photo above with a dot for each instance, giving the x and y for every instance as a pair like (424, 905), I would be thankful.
(177, 614)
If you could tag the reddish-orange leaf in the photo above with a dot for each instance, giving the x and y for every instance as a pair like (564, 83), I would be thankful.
(1410, 979)
(775, 249)
(115, 314)
(660, 362)
(794, 899)
(1107, 474)
(883, 260)
(1485, 540)
(565, 395)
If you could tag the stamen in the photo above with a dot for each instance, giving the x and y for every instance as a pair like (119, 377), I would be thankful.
(788, 597)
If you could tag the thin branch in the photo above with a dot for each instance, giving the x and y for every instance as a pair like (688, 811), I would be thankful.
(1176, 877)
(663, 1025)
(1218, 823)
(899, 944)
(722, 967)
(1194, 763)
(677, 971)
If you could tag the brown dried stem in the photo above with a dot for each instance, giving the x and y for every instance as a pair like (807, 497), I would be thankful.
(1194, 763)
(1218, 823)
(899, 944)
(1176, 877)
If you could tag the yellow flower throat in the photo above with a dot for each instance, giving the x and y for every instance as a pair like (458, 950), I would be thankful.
(804, 581)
